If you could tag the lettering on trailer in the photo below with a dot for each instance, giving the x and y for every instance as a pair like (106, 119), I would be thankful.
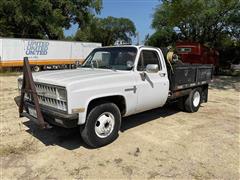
(34, 48)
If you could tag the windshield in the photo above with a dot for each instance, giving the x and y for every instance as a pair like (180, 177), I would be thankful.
(117, 58)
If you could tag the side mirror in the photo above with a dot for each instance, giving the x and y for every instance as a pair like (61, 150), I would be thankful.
(152, 68)
(130, 65)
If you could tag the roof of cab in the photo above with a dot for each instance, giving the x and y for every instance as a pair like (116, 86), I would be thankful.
(136, 46)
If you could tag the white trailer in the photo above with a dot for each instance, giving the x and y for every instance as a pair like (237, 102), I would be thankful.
(43, 52)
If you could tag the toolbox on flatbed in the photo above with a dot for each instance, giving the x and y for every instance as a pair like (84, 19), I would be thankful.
(185, 76)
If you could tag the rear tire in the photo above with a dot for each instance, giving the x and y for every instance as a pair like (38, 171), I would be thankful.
(193, 101)
(102, 125)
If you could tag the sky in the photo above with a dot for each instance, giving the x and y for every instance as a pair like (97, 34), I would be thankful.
(139, 11)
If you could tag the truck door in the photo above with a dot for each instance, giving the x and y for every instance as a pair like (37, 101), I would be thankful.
(152, 87)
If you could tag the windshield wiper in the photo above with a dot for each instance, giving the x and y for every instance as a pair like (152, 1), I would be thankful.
(107, 67)
(101, 67)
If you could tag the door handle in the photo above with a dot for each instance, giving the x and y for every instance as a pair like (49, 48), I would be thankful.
(162, 74)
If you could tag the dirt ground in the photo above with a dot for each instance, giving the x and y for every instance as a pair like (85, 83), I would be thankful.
(162, 143)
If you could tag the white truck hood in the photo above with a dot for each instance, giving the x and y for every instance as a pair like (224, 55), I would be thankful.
(70, 77)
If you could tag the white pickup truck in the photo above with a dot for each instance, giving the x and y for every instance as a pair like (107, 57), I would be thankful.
(114, 82)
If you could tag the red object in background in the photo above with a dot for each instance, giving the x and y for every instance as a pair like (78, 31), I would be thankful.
(195, 53)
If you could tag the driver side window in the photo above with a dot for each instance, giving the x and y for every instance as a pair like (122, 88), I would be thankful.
(147, 57)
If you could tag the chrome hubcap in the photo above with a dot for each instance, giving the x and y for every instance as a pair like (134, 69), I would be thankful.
(104, 124)
(196, 99)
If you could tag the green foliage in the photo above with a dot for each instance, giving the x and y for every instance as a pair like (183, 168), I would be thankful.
(107, 30)
(205, 21)
(44, 18)
(162, 38)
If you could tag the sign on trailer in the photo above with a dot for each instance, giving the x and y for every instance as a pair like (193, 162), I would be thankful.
(43, 52)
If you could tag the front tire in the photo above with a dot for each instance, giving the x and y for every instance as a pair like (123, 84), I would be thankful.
(193, 101)
(102, 125)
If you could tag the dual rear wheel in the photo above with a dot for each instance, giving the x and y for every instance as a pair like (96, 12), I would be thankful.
(192, 102)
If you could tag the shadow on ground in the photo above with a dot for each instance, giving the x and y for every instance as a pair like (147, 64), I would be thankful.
(67, 138)
(145, 117)
(70, 138)
(226, 83)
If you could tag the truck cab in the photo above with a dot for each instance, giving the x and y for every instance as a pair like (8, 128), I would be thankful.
(113, 82)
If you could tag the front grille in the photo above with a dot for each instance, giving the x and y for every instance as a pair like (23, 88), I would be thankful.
(48, 96)
(46, 90)
(52, 102)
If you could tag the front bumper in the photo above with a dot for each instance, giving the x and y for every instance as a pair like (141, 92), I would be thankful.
(51, 116)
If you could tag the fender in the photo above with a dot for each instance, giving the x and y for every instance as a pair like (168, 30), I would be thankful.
(83, 115)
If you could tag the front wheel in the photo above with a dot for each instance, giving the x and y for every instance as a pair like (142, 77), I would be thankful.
(193, 101)
(102, 125)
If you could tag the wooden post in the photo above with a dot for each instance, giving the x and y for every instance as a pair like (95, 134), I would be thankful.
(28, 86)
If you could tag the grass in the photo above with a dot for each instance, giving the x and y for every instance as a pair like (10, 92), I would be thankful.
(9, 73)
(229, 73)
